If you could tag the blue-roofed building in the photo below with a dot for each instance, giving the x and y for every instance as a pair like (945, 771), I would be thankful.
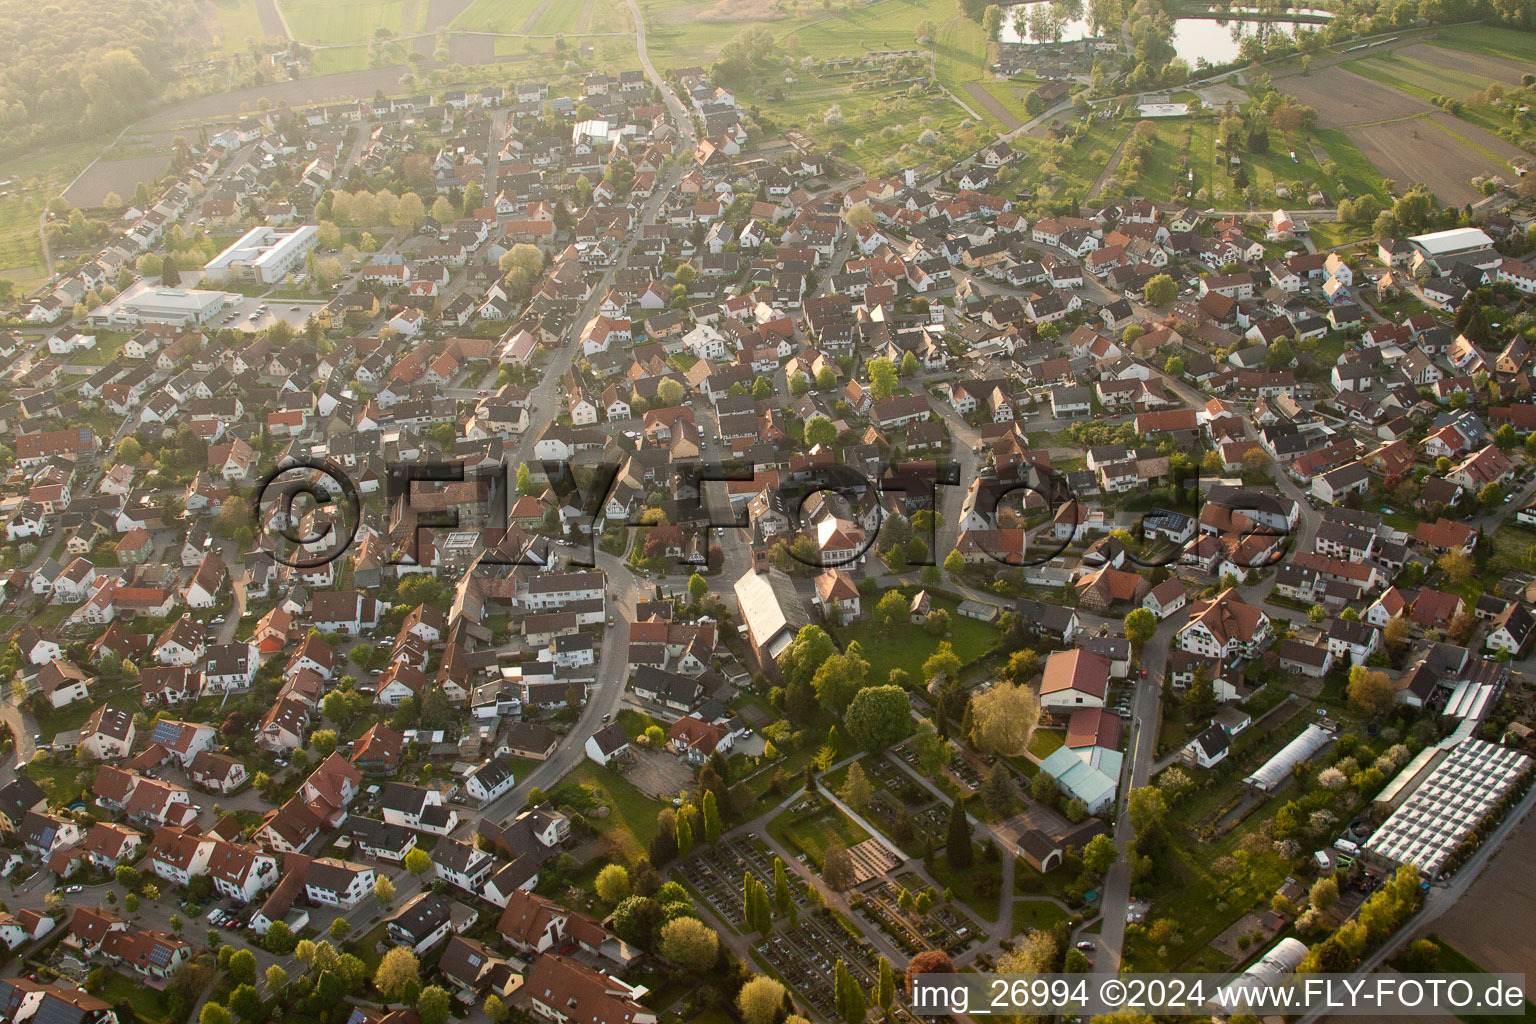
(1080, 780)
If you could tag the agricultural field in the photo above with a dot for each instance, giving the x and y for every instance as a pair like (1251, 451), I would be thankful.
(1343, 98)
(323, 22)
(232, 22)
(26, 185)
(120, 176)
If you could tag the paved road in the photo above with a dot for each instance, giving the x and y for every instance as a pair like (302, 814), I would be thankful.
(625, 588)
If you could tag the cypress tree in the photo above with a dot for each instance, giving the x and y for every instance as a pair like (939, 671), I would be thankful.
(957, 849)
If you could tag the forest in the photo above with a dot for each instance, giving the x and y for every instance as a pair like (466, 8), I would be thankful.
(72, 69)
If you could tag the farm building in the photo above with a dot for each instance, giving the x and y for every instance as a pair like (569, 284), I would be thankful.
(1278, 768)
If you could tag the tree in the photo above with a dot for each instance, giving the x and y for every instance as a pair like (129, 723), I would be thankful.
(612, 884)
(957, 843)
(1147, 808)
(879, 716)
(837, 868)
(698, 586)
(954, 564)
(1325, 893)
(892, 610)
(690, 942)
(1397, 634)
(1003, 718)
(684, 836)
(857, 791)
(1098, 855)
(997, 791)
(433, 1005)
(943, 662)
(340, 928)
(992, 21)
(494, 1008)
(882, 377)
(280, 940)
(418, 862)
(820, 431)
(783, 899)
(885, 984)
(213, 1013)
(383, 890)
(1021, 666)
(169, 275)
(398, 969)
(932, 961)
(247, 1004)
(760, 1000)
(1370, 692)
(276, 978)
(1140, 626)
(242, 967)
(1160, 290)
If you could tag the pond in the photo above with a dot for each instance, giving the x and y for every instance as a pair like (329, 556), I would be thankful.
(1194, 38)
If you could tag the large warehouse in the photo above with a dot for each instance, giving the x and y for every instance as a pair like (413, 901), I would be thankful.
(263, 255)
(147, 304)
(1453, 799)
(1446, 249)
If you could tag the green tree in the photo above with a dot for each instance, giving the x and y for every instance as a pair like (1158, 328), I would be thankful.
(1099, 855)
(684, 836)
(820, 431)
(433, 1005)
(760, 1000)
(957, 844)
(691, 943)
(711, 818)
(398, 969)
(879, 716)
(612, 884)
(882, 377)
(1160, 290)
(892, 610)
(954, 564)
(383, 890)
(698, 586)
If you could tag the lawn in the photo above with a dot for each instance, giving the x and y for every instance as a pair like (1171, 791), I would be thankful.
(1035, 915)
(815, 832)
(342, 21)
(1046, 742)
(64, 780)
(146, 1001)
(908, 647)
(968, 885)
(631, 820)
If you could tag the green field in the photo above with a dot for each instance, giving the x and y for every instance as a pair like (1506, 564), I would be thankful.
(1418, 78)
(31, 181)
(815, 832)
(238, 21)
(631, 820)
(907, 647)
(496, 15)
(1507, 43)
(1035, 915)
(558, 18)
(342, 21)
(889, 25)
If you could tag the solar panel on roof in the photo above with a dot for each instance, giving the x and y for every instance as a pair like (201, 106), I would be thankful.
(165, 732)
(160, 956)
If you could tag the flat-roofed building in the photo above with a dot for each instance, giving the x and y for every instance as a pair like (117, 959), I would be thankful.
(263, 255)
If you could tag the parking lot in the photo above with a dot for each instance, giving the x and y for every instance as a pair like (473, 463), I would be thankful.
(250, 314)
